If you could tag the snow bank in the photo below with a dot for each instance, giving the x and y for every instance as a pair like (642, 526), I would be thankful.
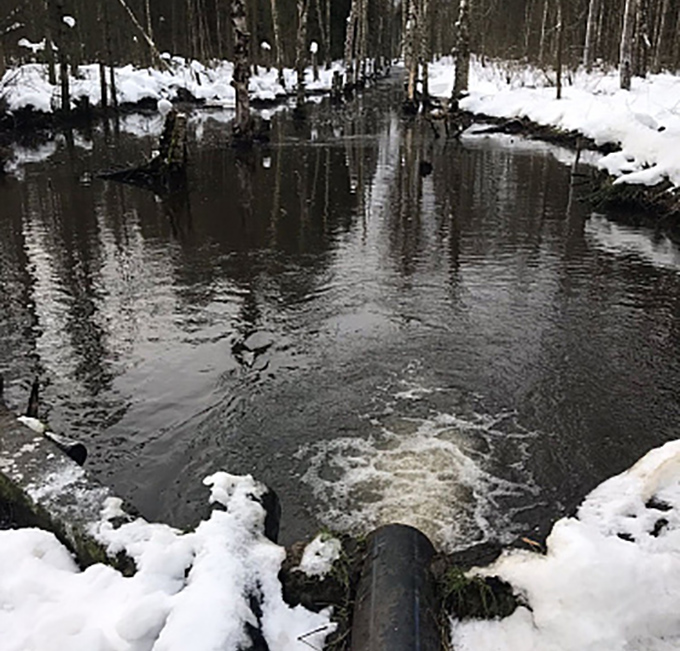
(28, 85)
(644, 121)
(191, 591)
(610, 580)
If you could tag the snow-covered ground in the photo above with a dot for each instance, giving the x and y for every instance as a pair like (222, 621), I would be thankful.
(610, 580)
(645, 121)
(28, 85)
(191, 590)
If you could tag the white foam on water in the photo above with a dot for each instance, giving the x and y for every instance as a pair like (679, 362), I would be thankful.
(437, 473)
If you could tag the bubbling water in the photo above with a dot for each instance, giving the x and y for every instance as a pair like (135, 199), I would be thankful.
(456, 478)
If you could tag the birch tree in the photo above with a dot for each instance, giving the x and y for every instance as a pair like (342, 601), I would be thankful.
(462, 50)
(410, 59)
(591, 32)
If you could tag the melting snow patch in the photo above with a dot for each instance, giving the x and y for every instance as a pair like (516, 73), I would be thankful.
(319, 556)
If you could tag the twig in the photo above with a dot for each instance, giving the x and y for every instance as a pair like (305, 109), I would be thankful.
(301, 638)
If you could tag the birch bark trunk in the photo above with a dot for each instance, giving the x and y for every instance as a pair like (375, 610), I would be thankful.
(462, 50)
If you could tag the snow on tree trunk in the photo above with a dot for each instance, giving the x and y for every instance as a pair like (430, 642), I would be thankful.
(242, 125)
(626, 49)
(591, 31)
(462, 50)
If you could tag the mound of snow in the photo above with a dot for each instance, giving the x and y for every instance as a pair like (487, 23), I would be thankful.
(610, 580)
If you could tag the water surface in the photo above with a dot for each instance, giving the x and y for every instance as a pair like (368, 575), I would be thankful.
(379, 325)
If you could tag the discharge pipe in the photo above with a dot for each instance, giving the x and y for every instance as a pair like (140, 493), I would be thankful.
(395, 607)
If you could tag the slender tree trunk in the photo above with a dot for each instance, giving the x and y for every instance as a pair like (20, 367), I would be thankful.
(145, 36)
(462, 50)
(301, 50)
(676, 41)
(323, 30)
(642, 41)
(191, 29)
(350, 44)
(527, 27)
(329, 32)
(600, 26)
(658, 42)
(363, 39)
(59, 27)
(591, 31)
(544, 29)
(277, 40)
(560, 46)
(410, 58)
(626, 49)
(109, 56)
(49, 43)
(424, 47)
(149, 29)
(219, 37)
(242, 125)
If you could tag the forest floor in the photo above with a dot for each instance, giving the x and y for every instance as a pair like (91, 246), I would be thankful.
(635, 132)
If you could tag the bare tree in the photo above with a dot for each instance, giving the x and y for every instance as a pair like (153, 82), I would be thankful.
(242, 127)
(424, 49)
(301, 50)
(591, 32)
(642, 41)
(560, 46)
(626, 49)
(462, 50)
(660, 33)
(277, 40)
(410, 60)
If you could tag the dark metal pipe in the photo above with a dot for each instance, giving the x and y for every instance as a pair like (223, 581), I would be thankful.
(395, 607)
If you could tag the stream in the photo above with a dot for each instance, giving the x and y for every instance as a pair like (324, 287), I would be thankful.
(380, 325)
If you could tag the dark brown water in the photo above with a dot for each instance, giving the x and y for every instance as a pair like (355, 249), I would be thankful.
(466, 350)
